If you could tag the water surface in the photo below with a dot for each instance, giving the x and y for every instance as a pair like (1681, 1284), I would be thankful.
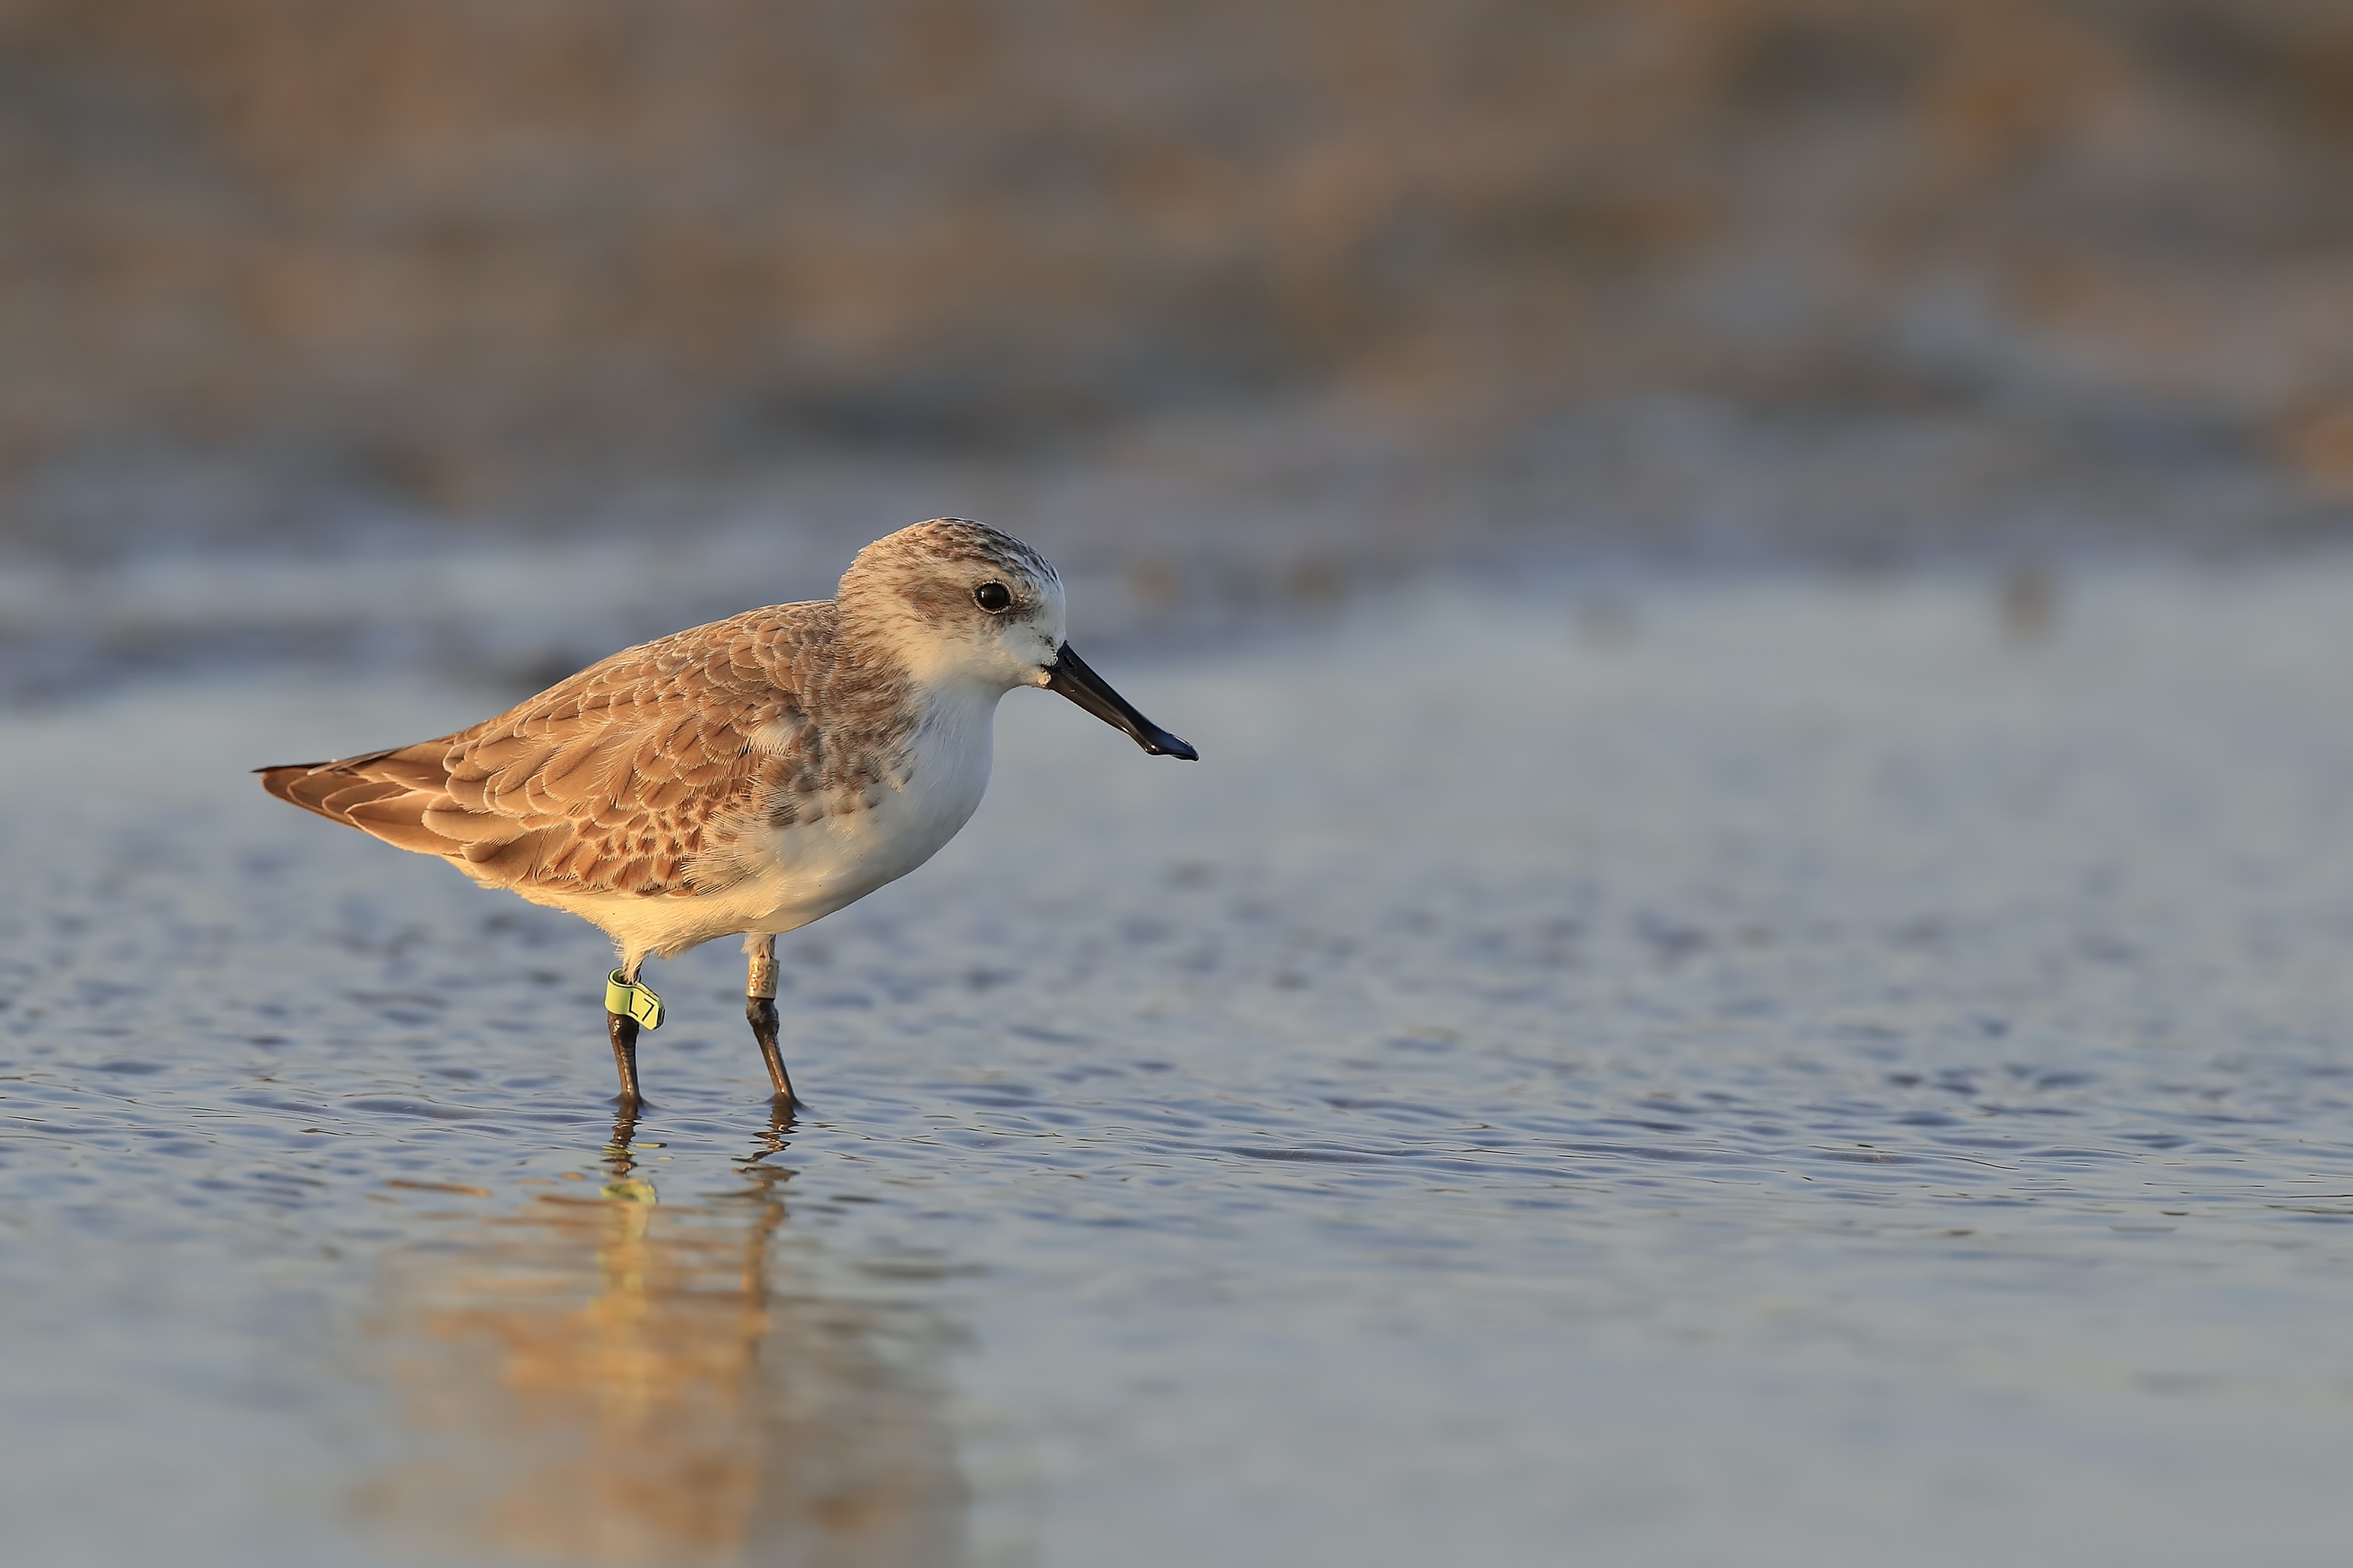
(1780, 1071)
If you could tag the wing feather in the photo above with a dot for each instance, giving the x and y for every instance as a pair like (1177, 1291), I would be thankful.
(399, 820)
(637, 775)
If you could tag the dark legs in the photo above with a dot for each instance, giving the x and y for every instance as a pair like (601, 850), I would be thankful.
(630, 1006)
(762, 1013)
(760, 1008)
(623, 990)
(624, 1030)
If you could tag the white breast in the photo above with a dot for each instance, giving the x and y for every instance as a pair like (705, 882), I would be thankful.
(816, 868)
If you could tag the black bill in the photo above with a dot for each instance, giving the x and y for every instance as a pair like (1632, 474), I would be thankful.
(1070, 676)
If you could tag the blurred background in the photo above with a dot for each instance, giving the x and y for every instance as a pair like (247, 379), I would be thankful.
(1853, 1071)
(1303, 289)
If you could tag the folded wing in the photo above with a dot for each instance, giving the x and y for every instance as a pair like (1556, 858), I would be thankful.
(639, 775)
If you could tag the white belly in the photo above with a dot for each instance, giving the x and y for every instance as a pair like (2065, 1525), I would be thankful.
(816, 868)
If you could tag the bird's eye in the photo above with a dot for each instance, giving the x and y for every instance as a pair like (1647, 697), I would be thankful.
(993, 597)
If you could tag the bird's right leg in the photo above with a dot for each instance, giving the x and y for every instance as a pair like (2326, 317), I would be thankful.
(622, 1026)
(624, 1032)
(760, 1009)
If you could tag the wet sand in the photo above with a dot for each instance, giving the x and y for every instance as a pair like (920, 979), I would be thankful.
(1788, 1070)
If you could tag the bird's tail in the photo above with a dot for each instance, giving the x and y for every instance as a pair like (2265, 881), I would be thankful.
(336, 789)
(330, 789)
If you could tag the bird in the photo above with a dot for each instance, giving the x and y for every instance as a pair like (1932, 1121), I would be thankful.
(743, 778)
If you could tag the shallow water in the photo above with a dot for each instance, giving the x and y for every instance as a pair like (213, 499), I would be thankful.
(1768, 1072)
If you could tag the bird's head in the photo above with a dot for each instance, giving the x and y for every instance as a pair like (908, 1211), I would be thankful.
(957, 603)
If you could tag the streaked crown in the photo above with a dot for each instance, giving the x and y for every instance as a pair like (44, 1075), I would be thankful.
(954, 597)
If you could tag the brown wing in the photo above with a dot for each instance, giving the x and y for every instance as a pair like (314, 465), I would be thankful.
(636, 775)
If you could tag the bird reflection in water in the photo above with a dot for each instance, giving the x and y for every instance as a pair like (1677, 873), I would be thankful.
(600, 1377)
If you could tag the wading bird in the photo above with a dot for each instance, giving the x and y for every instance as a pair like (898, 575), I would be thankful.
(745, 777)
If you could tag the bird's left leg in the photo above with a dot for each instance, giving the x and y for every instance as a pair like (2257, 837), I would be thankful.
(624, 1032)
(627, 1007)
(760, 1009)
